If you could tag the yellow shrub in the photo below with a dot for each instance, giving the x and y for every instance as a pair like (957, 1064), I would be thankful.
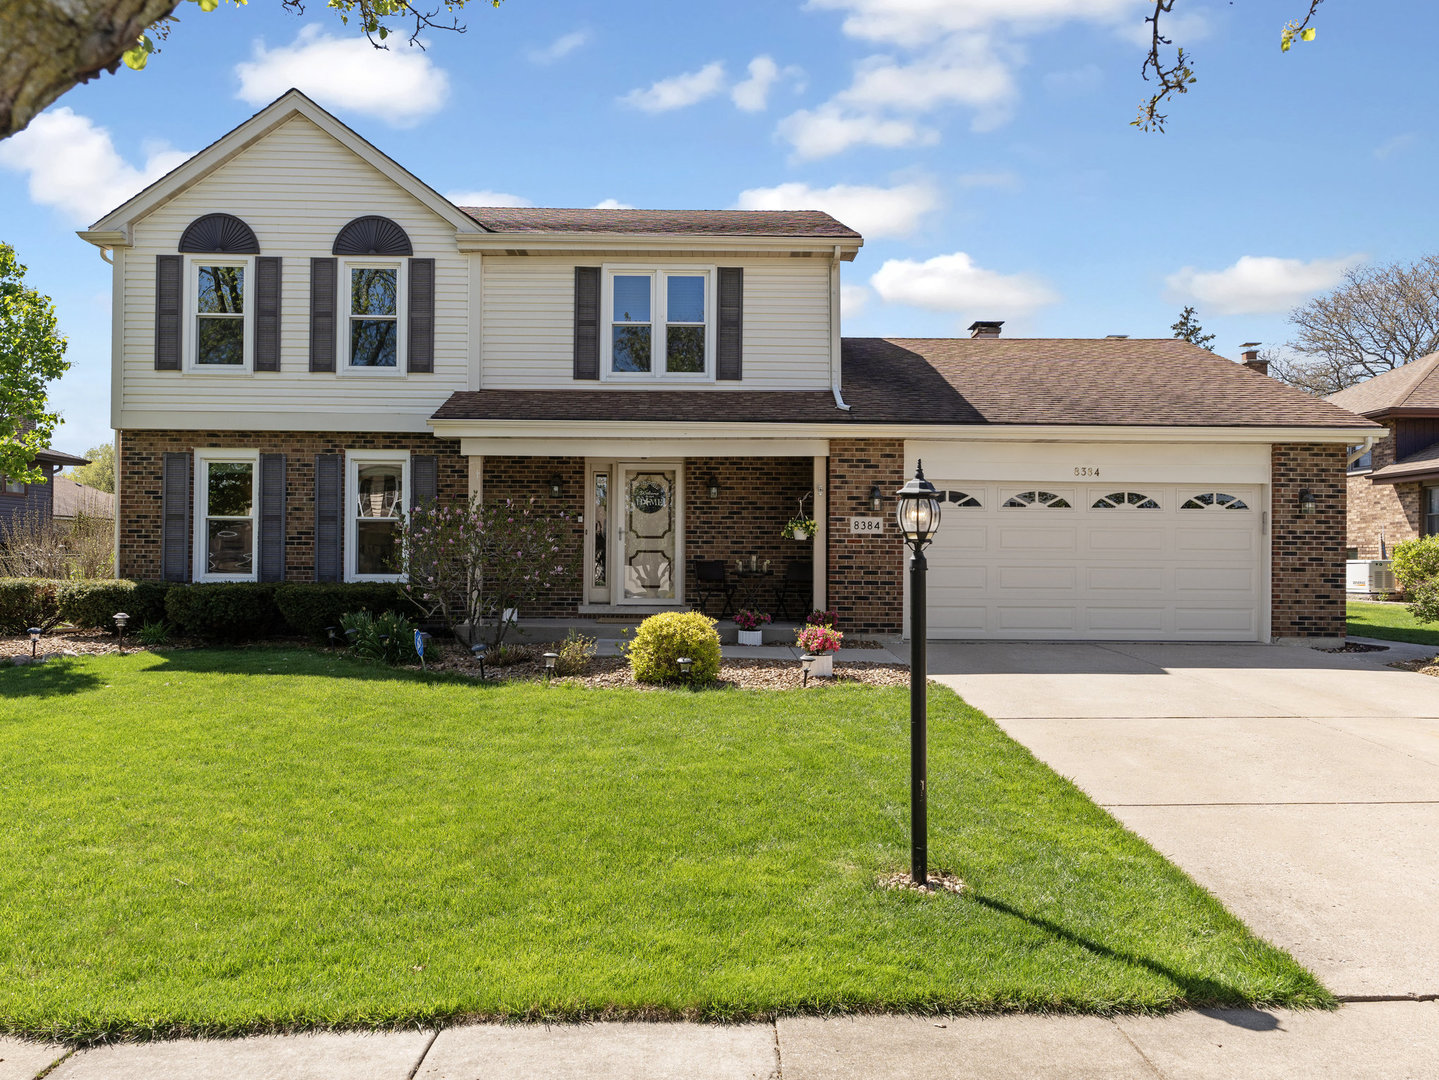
(662, 639)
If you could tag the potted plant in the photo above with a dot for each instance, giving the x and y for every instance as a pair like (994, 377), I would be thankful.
(821, 642)
(798, 527)
(750, 623)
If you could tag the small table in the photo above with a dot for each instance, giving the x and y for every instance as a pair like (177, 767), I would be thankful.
(749, 586)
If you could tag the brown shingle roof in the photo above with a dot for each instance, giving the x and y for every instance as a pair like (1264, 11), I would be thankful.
(1414, 385)
(1420, 466)
(73, 498)
(536, 219)
(1062, 381)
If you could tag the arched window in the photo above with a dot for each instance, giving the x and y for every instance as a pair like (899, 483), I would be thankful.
(961, 498)
(1045, 500)
(222, 234)
(372, 235)
(1123, 499)
(1214, 500)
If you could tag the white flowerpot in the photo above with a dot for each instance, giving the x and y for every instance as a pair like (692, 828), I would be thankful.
(512, 615)
(801, 534)
(823, 666)
(751, 637)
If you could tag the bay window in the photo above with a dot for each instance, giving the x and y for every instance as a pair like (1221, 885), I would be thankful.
(377, 485)
(658, 323)
(225, 528)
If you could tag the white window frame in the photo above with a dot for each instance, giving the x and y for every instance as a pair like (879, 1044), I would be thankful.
(204, 457)
(402, 308)
(191, 334)
(658, 322)
(353, 460)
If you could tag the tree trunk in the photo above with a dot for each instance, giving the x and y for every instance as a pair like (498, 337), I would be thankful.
(52, 45)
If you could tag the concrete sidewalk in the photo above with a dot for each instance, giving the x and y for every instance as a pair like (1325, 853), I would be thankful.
(1376, 1041)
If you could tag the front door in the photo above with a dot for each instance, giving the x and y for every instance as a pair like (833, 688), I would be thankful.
(648, 528)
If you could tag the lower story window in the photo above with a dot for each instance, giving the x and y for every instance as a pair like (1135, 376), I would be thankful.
(376, 488)
(1431, 511)
(11, 487)
(225, 494)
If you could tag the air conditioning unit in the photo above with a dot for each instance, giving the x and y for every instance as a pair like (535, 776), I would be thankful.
(1369, 576)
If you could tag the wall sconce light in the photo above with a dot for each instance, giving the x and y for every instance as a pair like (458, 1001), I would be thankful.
(876, 500)
(713, 485)
(1307, 502)
(556, 485)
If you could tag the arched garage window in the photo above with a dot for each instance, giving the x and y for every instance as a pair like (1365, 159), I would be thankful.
(1117, 500)
(1214, 500)
(1038, 500)
(961, 498)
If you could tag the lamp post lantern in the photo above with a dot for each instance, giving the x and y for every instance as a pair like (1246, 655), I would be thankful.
(918, 516)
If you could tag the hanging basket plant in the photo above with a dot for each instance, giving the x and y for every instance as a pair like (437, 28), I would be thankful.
(798, 527)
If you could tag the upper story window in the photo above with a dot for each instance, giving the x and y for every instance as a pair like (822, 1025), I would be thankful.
(221, 314)
(374, 316)
(659, 323)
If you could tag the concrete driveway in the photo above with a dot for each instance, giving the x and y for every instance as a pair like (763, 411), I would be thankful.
(1300, 787)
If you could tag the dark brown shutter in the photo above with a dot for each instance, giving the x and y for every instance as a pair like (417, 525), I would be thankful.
(175, 517)
(267, 313)
(729, 343)
(329, 517)
(587, 322)
(421, 346)
(272, 517)
(169, 293)
(323, 313)
(424, 479)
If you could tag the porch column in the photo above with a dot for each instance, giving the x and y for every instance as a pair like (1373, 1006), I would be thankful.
(477, 477)
(821, 533)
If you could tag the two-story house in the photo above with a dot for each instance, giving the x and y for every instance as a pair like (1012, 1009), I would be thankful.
(1394, 485)
(308, 340)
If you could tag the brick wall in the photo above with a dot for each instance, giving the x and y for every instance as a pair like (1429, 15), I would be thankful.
(866, 573)
(1393, 510)
(526, 478)
(1307, 577)
(757, 496)
(141, 460)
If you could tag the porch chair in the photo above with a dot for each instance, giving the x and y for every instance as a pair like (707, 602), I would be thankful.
(797, 584)
(710, 580)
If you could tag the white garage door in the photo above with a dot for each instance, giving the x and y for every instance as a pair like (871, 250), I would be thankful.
(1131, 561)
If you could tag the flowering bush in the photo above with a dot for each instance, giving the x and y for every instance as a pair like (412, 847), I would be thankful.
(819, 639)
(821, 618)
(751, 620)
(477, 559)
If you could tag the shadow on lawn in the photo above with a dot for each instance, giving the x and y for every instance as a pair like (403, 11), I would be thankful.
(298, 661)
(50, 679)
(1197, 991)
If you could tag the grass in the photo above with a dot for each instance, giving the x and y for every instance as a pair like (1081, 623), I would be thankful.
(1392, 622)
(223, 842)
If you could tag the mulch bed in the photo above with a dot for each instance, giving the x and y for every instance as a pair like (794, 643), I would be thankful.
(1424, 667)
(57, 643)
(1356, 646)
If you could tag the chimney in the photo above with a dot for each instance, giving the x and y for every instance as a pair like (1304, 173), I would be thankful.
(985, 329)
(1249, 352)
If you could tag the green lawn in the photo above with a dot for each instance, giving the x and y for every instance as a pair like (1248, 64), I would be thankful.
(1392, 622)
(216, 842)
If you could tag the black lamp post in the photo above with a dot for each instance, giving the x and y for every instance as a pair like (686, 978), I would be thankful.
(918, 516)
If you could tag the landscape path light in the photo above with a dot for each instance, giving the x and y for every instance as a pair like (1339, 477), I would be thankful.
(918, 516)
(120, 620)
(34, 633)
(478, 650)
(806, 662)
(550, 658)
(685, 664)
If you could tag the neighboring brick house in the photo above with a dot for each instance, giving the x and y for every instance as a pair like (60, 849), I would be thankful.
(1394, 487)
(313, 340)
(21, 501)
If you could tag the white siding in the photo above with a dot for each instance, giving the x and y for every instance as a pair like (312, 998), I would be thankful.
(528, 323)
(296, 188)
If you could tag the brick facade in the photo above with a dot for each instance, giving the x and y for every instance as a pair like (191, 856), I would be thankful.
(526, 478)
(1387, 512)
(866, 573)
(1307, 574)
(140, 461)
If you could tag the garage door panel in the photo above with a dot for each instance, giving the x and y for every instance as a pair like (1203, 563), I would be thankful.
(1215, 579)
(1215, 539)
(1136, 579)
(1127, 620)
(958, 620)
(1049, 578)
(1227, 620)
(1020, 538)
(1119, 540)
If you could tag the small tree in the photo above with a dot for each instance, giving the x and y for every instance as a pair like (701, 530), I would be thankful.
(1188, 329)
(472, 561)
(1416, 569)
(32, 353)
(100, 473)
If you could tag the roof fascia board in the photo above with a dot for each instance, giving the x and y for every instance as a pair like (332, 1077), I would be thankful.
(284, 108)
(1406, 478)
(548, 243)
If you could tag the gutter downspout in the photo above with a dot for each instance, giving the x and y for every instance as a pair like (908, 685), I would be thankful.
(105, 254)
(835, 342)
(1369, 441)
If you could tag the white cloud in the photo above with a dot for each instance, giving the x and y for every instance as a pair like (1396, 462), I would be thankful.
(872, 211)
(1258, 284)
(965, 71)
(612, 204)
(1396, 145)
(399, 85)
(955, 283)
(73, 165)
(916, 22)
(830, 129)
(560, 48)
(482, 197)
(678, 91)
(752, 95)
(1081, 80)
(853, 299)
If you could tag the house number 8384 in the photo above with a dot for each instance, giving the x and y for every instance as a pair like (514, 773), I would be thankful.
(1086, 470)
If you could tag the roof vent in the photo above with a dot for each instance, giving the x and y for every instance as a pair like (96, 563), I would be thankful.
(985, 329)
(1249, 353)
(1117, 337)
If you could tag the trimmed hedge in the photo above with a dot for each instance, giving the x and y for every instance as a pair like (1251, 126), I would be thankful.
(662, 639)
(225, 611)
(309, 608)
(93, 604)
(27, 602)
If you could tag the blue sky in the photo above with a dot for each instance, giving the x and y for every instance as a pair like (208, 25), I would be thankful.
(982, 146)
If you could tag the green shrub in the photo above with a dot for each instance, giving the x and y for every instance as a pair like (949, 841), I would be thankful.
(91, 605)
(27, 602)
(575, 654)
(386, 638)
(231, 611)
(661, 640)
(309, 608)
(154, 633)
(1416, 562)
